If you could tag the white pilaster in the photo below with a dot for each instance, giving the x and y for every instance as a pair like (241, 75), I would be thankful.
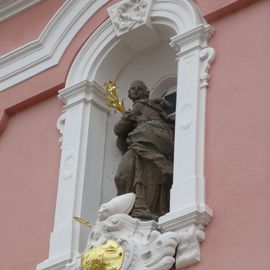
(188, 190)
(83, 126)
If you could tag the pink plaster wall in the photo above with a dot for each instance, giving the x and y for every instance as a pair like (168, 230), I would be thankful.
(47, 83)
(27, 25)
(208, 6)
(237, 143)
(53, 79)
(28, 179)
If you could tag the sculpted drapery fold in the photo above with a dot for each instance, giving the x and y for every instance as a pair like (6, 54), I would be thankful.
(145, 137)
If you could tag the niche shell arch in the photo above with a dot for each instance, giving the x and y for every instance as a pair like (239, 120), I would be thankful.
(83, 124)
(178, 17)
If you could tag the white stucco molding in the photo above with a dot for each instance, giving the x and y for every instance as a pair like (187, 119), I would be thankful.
(180, 16)
(47, 50)
(189, 213)
(128, 15)
(190, 225)
(12, 7)
(132, 24)
(144, 247)
(83, 127)
(95, 50)
(101, 58)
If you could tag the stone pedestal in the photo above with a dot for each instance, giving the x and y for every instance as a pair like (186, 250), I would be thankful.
(145, 248)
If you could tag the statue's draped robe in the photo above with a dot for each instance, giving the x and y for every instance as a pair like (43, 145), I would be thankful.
(146, 169)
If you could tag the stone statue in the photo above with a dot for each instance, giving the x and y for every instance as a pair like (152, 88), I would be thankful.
(145, 137)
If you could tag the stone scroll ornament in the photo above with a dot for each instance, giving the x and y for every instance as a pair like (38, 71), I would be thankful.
(129, 14)
(120, 242)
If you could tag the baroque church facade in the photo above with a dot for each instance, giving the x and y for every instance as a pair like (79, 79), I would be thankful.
(58, 149)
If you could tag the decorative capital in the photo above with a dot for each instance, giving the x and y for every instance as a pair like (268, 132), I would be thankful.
(129, 14)
(197, 37)
(84, 92)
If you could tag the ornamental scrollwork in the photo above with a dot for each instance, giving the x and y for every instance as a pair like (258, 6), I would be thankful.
(129, 14)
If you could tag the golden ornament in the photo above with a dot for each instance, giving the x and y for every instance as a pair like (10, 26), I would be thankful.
(109, 256)
(84, 222)
(112, 98)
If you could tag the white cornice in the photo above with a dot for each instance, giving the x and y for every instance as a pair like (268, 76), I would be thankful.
(47, 50)
(12, 7)
(84, 92)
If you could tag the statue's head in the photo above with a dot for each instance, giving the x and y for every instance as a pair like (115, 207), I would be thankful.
(138, 90)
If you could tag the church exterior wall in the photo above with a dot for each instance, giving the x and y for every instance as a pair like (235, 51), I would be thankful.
(237, 152)
(26, 26)
(237, 134)
(29, 171)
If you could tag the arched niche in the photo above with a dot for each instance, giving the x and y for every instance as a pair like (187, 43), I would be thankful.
(158, 61)
(169, 43)
(163, 85)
